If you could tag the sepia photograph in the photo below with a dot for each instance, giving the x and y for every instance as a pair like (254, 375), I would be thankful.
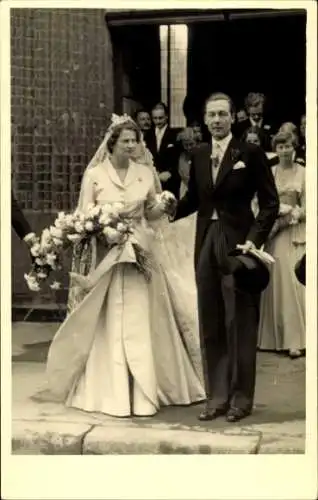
(158, 230)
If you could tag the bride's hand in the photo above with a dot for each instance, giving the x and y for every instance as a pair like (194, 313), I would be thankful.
(164, 176)
(169, 203)
(295, 215)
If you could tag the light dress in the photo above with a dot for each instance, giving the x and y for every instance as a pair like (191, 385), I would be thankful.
(128, 345)
(282, 311)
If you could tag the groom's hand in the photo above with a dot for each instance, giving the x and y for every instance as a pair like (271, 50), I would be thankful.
(248, 245)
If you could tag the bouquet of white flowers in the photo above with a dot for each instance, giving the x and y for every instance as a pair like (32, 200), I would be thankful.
(105, 222)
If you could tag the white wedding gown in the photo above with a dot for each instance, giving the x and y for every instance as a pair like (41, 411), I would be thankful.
(126, 329)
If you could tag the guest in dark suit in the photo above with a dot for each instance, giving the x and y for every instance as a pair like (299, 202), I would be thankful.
(19, 222)
(225, 175)
(143, 120)
(161, 141)
(254, 104)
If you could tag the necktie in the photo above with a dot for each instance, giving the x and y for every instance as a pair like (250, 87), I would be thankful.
(158, 138)
(216, 154)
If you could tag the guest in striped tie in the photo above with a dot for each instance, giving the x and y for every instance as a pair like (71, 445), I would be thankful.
(225, 175)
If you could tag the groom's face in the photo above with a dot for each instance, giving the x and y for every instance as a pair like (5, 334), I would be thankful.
(218, 118)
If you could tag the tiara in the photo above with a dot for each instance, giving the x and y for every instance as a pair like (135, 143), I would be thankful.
(118, 120)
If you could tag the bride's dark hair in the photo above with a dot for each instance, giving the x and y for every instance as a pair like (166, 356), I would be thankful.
(117, 130)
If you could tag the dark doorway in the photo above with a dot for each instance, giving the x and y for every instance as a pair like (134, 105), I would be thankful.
(250, 55)
(136, 66)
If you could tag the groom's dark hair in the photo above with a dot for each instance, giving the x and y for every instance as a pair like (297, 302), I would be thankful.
(218, 96)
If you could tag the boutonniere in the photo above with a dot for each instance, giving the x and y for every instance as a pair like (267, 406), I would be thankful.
(170, 146)
(235, 155)
(238, 165)
(267, 127)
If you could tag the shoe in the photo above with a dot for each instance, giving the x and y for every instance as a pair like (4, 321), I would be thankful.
(143, 416)
(236, 414)
(211, 414)
(294, 353)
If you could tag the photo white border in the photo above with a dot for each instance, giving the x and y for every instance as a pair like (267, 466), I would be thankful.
(161, 477)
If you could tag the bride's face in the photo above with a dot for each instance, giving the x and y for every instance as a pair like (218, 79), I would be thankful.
(126, 144)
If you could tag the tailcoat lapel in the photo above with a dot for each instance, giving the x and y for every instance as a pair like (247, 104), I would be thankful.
(228, 161)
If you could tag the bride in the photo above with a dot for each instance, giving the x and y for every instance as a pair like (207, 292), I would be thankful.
(128, 345)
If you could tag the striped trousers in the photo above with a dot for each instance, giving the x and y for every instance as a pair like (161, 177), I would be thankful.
(227, 324)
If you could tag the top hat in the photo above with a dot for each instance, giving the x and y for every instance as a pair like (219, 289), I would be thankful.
(250, 273)
(300, 270)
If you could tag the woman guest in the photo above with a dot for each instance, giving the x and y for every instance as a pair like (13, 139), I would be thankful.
(187, 141)
(299, 156)
(125, 348)
(197, 131)
(282, 313)
(254, 135)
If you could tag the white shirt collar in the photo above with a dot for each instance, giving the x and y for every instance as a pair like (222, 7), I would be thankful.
(222, 143)
(161, 131)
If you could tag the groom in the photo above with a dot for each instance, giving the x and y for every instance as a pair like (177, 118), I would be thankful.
(225, 175)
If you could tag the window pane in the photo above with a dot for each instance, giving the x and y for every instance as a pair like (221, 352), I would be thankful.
(164, 62)
(178, 73)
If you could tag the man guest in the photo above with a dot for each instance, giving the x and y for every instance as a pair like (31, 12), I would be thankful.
(143, 120)
(161, 141)
(225, 176)
(254, 104)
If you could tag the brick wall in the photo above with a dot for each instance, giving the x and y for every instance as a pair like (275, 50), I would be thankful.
(62, 99)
